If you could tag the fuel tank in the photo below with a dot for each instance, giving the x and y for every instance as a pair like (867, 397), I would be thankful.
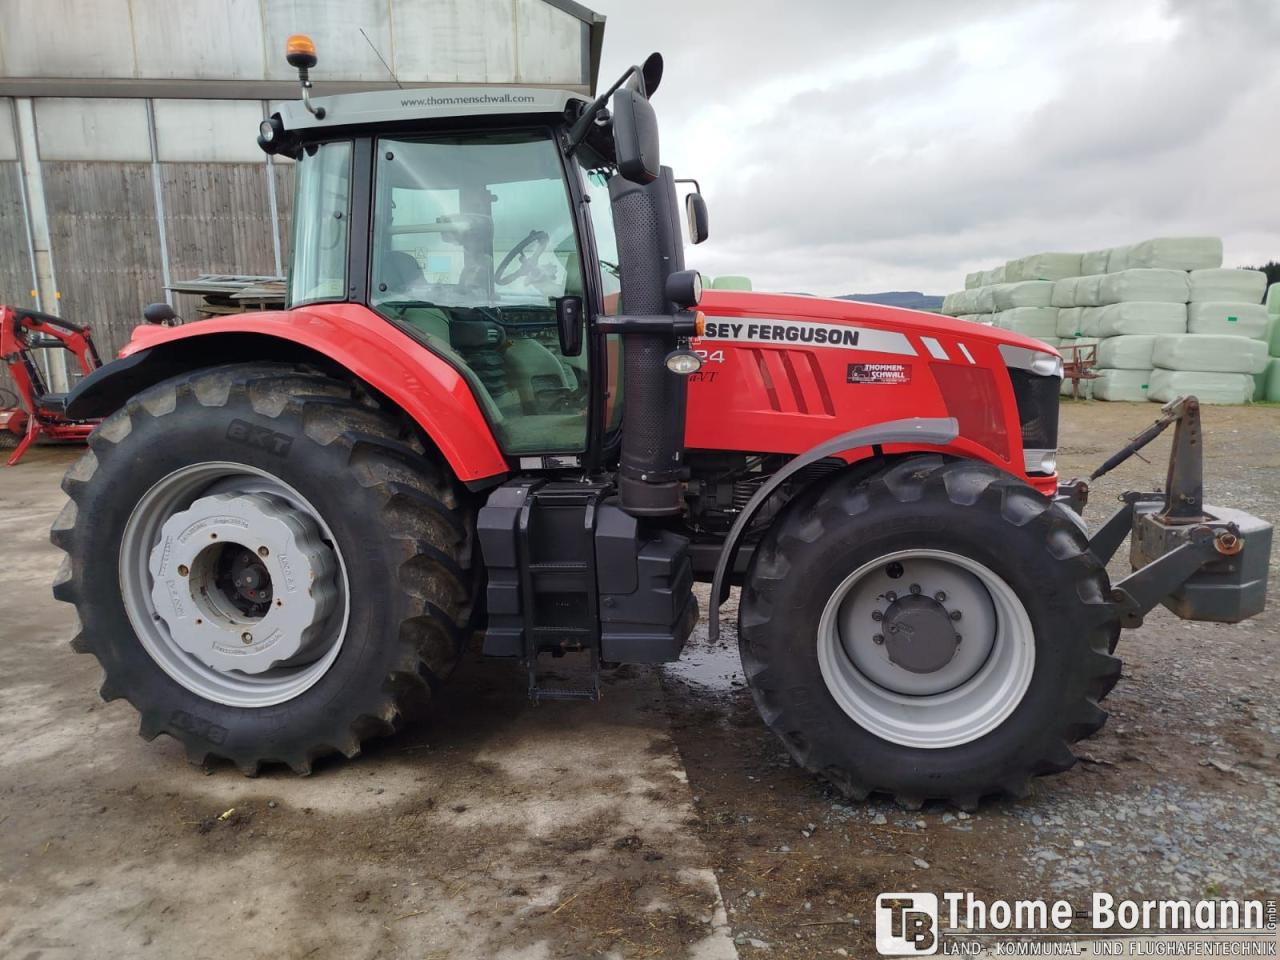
(782, 373)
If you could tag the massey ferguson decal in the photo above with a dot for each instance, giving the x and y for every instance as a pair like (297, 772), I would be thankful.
(879, 373)
(807, 333)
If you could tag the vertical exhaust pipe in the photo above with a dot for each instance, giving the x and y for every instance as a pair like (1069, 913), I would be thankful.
(646, 221)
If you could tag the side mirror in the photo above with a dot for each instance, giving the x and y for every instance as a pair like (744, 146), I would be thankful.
(695, 212)
(160, 313)
(569, 325)
(635, 136)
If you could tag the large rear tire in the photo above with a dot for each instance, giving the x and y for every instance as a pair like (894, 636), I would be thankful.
(937, 631)
(325, 588)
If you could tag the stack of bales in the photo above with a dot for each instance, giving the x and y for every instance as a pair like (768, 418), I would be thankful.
(1267, 383)
(1224, 346)
(1165, 318)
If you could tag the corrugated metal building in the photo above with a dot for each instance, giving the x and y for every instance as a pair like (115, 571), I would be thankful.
(127, 127)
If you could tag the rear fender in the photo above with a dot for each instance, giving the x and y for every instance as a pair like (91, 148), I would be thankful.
(338, 337)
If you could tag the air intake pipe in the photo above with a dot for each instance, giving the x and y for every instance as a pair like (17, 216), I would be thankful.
(647, 224)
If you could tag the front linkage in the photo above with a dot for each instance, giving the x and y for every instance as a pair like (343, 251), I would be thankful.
(1201, 561)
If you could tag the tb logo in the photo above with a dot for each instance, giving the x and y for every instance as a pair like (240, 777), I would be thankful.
(906, 924)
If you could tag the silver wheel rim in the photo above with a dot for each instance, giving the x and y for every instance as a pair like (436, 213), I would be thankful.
(189, 491)
(930, 707)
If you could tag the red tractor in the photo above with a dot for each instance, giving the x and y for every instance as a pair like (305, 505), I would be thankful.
(499, 403)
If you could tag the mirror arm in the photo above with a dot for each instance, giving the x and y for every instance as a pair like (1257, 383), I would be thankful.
(582, 125)
(697, 188)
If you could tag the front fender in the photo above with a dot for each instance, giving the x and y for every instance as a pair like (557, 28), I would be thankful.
(347, 336)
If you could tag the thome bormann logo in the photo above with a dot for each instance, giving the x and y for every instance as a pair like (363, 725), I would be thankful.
(907, 924)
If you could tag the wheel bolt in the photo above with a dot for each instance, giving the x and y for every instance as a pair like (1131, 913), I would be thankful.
(247, 637)
(878, 639)
(915, 588)
(940, 596)
(263, 551)
(955, 614)
(183, 570)
(891, 596)
(877, 616)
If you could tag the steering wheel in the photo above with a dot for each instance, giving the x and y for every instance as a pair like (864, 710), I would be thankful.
(528, 261)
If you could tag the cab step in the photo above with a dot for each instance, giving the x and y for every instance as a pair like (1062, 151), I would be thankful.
(568, 679)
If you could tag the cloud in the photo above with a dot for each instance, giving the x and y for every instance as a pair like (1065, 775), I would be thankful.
(869, 146)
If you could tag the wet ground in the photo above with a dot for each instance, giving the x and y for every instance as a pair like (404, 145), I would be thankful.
(663, 822)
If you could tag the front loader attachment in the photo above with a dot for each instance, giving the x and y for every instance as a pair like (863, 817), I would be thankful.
(1202, 562)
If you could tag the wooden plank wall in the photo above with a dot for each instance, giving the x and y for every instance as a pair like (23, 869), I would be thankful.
(106, 245)
(217, 220)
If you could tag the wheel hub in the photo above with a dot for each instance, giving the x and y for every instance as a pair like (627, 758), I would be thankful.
(918, 634)
(243, 581)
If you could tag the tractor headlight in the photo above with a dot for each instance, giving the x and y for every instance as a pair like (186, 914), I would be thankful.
(1040, 461)
(267, 131)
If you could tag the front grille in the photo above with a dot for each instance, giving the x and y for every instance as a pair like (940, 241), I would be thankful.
(1037, 399)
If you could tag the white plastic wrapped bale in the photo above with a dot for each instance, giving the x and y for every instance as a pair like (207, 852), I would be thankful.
(1013, 271)
(1273, 299)
(948, 307)
(1132, 352)
(1231, 319)
(1050, 341)
(1030, 293)
(1064, 292)
(1221, 284)
(1032, 321)
(984, 300)
(1219, 388)
(1271, 381)
(1121, 319)
(996, 275)
(1089, 289)
(1208, 353)
(1090, 317)
(1176, 253)
(972, 280)
(1130, 385)
(1273, 338)
(1069, 321)
(1085, 391)
(1095, 261)
(1050, 266)
(1117, 259)
(1143, 284)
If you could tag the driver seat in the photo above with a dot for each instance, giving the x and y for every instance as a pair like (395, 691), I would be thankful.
(400, 271)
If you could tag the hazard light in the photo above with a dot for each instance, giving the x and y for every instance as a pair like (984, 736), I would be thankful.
(300, 51)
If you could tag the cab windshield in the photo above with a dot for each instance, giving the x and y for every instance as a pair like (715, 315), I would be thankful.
(473, 242)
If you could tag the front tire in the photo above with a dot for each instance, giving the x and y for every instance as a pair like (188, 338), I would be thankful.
(325, 590)
(970, 676)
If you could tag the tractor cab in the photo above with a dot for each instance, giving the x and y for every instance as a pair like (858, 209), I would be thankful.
(483, 226)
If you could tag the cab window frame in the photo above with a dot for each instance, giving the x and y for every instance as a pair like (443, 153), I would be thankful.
(589, 453)
(353, 267)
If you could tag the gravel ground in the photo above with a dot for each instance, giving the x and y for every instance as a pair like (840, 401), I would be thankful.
(663, 822)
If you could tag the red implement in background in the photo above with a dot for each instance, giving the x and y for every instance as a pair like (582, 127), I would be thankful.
(40, 412)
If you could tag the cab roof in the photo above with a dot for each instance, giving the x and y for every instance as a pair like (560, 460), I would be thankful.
(425, 103)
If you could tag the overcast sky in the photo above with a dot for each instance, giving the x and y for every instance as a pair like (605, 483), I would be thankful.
(869, 145)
